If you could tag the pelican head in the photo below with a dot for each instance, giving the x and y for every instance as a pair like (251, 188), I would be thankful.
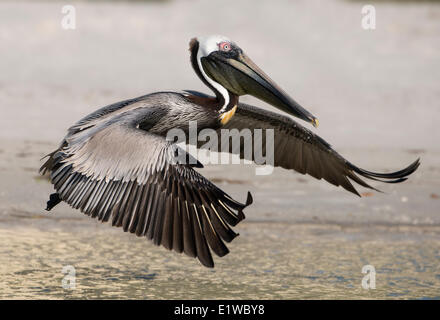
(226, 69)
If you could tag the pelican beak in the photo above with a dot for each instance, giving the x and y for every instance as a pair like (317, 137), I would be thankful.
(240, 75)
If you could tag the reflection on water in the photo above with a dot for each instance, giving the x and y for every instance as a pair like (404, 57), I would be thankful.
(267, 261)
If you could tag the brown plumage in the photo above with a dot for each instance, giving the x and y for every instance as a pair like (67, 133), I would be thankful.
(116, 164)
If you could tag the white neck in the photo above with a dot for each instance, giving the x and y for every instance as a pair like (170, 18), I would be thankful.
(206, 46)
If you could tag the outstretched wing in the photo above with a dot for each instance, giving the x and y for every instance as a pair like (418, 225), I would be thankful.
(112, 170)
(297, 148)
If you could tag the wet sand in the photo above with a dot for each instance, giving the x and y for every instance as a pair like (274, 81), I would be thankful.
(301, 239)
(375, 94)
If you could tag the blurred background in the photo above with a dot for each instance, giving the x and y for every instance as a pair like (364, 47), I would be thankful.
(376, 94)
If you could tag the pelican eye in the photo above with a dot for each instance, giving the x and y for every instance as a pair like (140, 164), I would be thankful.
(224, 46)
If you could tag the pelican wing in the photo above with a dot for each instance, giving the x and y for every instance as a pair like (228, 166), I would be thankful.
(297, 148)
(112, 170)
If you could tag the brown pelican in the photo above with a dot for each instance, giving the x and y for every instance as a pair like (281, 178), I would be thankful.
(115, 164)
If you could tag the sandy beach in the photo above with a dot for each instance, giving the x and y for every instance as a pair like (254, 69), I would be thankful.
(376, 94)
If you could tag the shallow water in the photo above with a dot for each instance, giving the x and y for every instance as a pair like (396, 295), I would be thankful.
(267, 261)
(301, 239)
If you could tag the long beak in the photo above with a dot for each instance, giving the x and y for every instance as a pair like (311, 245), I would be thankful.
(241, 75)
